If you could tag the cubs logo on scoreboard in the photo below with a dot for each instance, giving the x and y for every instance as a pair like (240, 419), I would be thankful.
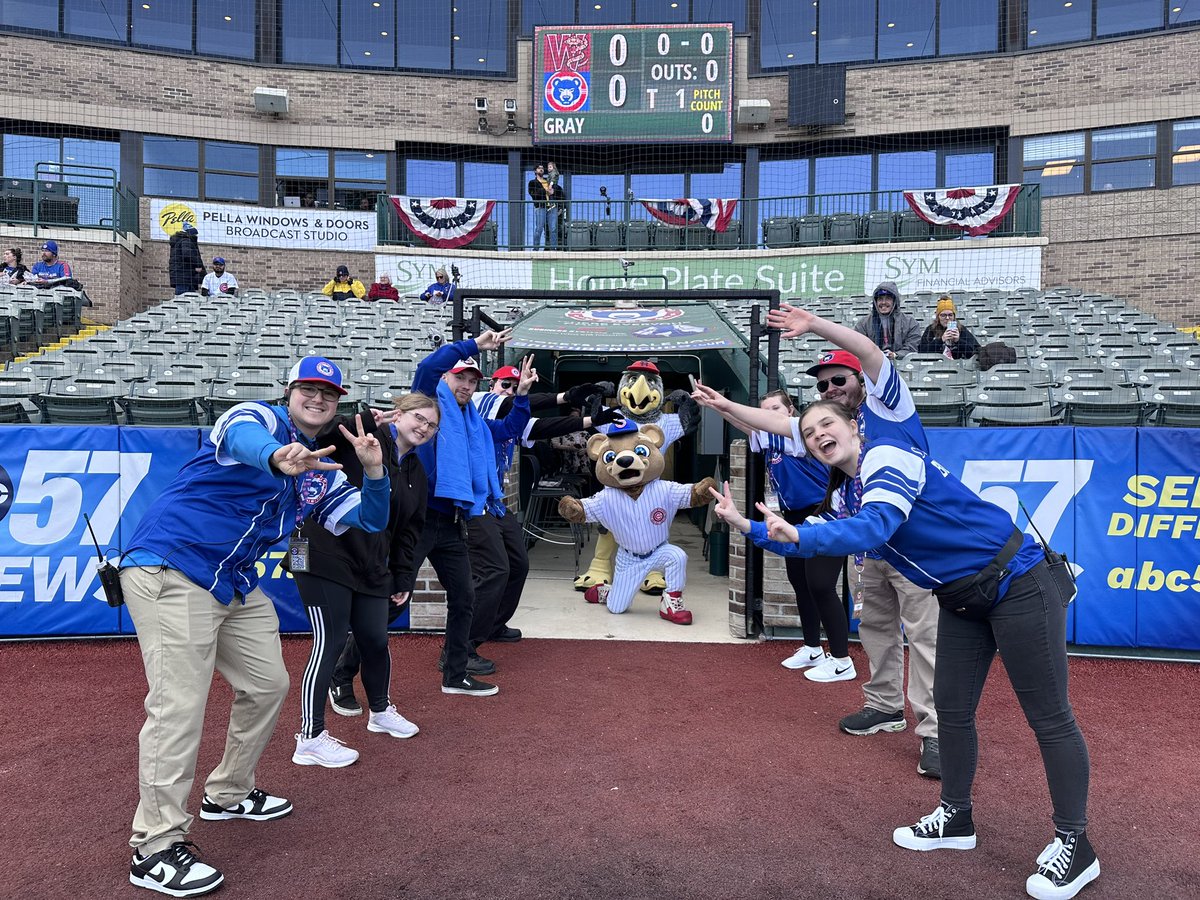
(566, 70)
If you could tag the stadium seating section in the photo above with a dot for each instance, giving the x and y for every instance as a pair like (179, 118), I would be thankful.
(1082, 359)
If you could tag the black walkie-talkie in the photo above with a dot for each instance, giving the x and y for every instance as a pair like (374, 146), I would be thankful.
(110, 575)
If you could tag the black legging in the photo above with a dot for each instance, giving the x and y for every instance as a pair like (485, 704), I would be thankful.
(815, 582)
(334, 609)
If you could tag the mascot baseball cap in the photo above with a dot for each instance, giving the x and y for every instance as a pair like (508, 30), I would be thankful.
(642, 365)
(835, 358)
(468, 364)
(505, 372)
(317, 369)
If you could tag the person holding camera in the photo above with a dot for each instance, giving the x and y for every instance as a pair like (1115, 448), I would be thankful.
(191, 583)
(946, 336)
(998, 590)
(344, 287)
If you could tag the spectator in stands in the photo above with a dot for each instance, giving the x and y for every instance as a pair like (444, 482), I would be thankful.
(383, 289)
(545, 211)
(366, 203)
(352, 582)
(343, 286)
(218, 281)
(308, 201)
(441, 290)
(186, 265)
(946, 336)
(13, 271)
(192, 589)
(894, 332)
(49, 267)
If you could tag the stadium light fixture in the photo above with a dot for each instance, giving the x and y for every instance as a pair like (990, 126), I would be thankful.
(510, 111)
(481, 104)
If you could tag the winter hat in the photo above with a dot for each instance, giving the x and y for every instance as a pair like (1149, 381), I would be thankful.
(945, 304)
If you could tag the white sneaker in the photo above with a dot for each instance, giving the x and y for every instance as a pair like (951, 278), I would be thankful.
(832, 669)
(804, 657)
(391, 722)
(323, 750)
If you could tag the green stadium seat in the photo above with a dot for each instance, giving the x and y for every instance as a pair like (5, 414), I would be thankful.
(1174, 404)
(78, 401)
(810, 231)
(637, 235)
(939, 404)
(579, 235)
(1099, 404)
(779, 232)
(609, 235)
(845, 228)
(171, 401)
(880, 226)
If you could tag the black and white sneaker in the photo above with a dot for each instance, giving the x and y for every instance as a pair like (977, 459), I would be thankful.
(869, 720)
(946, 828)
(470, 686)
(1065, 867)
(343, 701)
(175, 871)
(259, 806)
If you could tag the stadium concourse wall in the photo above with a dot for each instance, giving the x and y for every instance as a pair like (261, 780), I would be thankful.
(1123, 503)
(1130, 243)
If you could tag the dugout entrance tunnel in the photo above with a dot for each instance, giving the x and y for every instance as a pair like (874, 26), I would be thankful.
(718, 337)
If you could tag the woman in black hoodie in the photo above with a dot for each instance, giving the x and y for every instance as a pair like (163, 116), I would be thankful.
(352, 582)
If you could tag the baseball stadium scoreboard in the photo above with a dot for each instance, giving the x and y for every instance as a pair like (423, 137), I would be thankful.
(633, 83)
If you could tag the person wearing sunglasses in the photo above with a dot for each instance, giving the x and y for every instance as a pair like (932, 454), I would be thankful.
(352, 583)
(860, 377)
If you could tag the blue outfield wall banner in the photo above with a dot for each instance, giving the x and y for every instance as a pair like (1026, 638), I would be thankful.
(1123, 503)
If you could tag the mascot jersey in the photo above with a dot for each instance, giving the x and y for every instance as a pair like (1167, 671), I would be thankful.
(640, 525)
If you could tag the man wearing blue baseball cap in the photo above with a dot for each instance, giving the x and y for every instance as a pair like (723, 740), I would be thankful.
(50, 267)
(218, 282)
(191, 585)
(186, 266)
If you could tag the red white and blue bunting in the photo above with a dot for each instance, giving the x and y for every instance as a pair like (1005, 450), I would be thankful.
(444, 221)
(712, 214)
(976, 210)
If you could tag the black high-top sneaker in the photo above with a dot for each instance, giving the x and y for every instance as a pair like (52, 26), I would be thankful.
(1065, 867)
(946, 828)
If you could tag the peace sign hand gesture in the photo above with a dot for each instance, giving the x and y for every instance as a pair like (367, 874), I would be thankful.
(778, 528)
(366, 448)
(727, 511)
(296, 459)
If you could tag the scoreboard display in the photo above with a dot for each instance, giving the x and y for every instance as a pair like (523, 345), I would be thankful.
(632, 83)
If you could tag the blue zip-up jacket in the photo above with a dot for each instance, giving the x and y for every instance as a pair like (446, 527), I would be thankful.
(227, 506)
(426, 379)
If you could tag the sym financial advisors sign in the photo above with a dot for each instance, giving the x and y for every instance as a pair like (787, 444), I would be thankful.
(982, 269)
(256, 226)
(411, 274)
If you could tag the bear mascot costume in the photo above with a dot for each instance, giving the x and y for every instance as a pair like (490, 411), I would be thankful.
(640, 398)
(638, 509)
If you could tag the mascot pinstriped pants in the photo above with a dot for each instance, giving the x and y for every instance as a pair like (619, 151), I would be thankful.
(631, 568)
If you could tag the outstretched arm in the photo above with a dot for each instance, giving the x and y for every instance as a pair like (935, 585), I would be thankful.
(794, 321)
(747, 418)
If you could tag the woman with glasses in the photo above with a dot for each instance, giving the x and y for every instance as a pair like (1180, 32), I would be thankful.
(350, 583)
(946, 336)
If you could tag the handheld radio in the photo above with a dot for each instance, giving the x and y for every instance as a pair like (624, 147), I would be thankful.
(110, 575)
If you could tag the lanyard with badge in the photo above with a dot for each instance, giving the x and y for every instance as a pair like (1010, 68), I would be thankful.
(298, 559)
(852, 493)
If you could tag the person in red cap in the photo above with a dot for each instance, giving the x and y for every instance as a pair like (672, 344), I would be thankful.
(860, 376)
(505, 530)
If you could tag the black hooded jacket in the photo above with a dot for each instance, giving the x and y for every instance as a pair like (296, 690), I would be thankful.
(185, 260)
(905, 332)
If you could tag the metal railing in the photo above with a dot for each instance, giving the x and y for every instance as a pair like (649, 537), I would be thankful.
(806, 220)
(70, 195)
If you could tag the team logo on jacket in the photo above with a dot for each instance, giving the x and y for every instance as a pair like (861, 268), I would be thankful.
(776, 458)
(658, 515)
(314, 488)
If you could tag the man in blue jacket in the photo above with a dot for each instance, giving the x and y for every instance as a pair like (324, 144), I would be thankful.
(463, 484)
(190, 581)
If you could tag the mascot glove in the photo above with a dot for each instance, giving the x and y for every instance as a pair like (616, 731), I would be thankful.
(607, 417)
(579, 394)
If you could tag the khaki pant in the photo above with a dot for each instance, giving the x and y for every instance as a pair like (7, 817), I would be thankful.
(889, 600)
(184, 632)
